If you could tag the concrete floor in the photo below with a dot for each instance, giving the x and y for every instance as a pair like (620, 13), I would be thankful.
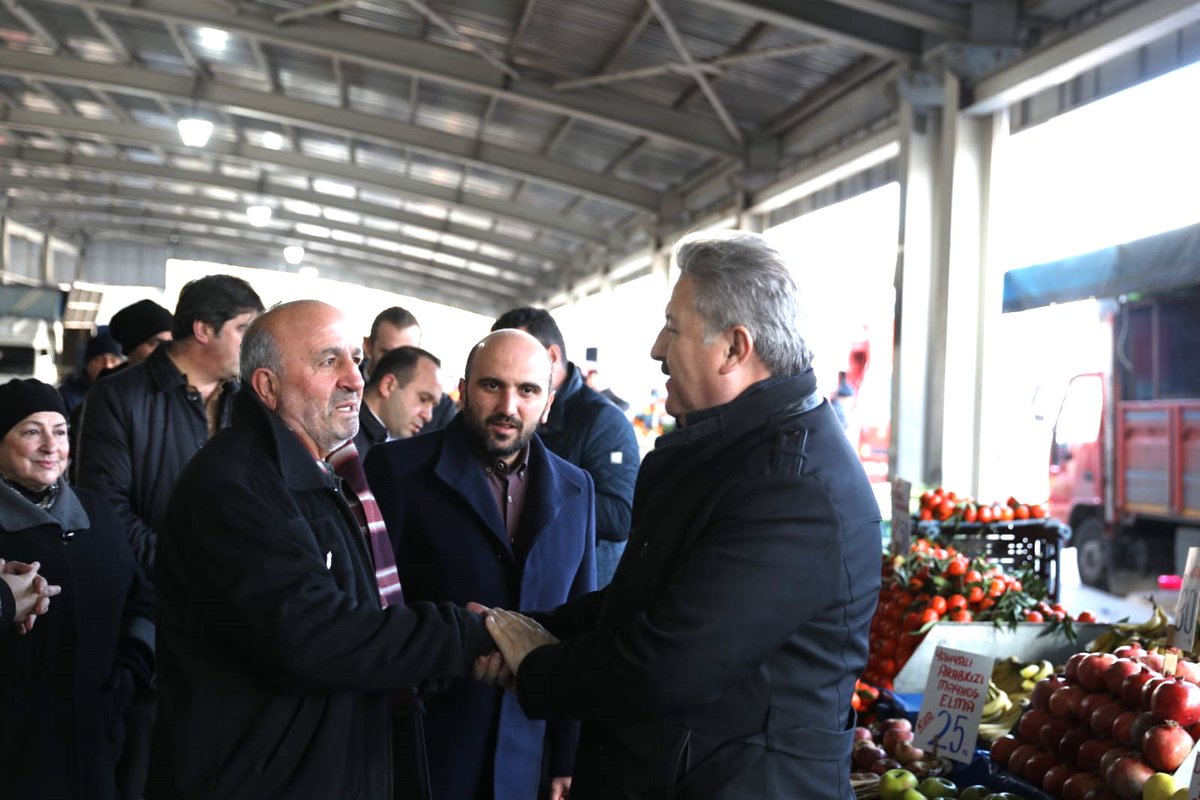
(1131, 596)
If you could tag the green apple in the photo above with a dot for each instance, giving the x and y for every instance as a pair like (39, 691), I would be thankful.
(912, 794)
(938, 787)
(895, 782)
(976, 792)
(1003, 796)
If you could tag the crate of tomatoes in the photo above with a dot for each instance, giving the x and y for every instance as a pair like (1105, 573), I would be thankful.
(1015, 535)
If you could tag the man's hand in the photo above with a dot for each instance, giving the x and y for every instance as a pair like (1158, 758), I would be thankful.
(560, 788)
(516, 635)
(491, 668)
(31, 591)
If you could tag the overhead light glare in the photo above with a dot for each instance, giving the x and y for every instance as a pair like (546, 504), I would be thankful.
(293, 254)
(194, 131)
(308, 273)
(259, 216)
(272, 140)
(213, 38)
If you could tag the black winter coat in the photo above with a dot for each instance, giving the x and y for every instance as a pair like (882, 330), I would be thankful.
(586, 429)
(721, 661)
(65, 685)
(140, 427)
(277, 666)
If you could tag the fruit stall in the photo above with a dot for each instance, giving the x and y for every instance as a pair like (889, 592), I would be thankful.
(1074, 709)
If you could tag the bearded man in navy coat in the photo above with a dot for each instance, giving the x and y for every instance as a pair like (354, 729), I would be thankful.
(482, 511)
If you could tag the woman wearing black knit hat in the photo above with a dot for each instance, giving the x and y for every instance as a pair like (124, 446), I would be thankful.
(65, 684)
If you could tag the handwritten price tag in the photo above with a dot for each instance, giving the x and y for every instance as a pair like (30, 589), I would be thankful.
(952, 706)
(901, 521)
(1183, 634)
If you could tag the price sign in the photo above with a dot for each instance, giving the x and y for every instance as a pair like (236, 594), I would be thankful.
(901, 520)
(1183, 634)
(952, 706)
(1194, 786)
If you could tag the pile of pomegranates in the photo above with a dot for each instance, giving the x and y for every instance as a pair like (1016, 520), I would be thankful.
(1105, 725)
(888, 745)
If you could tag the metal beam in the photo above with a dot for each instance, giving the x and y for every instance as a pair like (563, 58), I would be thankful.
(185, 52)
(315, 10)
(514, 41)
(436, 63)
(110, 36)
(947, 20)
(21, 119)
(400, 261)
(1061, 61)
(824, 19)
(30, 21)
(162, 198)
(34, 157)
(466, 41)
(277, 108)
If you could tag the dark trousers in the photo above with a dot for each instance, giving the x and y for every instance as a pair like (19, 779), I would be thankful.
(134, 765)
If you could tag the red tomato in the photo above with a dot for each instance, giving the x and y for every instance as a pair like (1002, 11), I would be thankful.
(956, 567)
(972, 576)
(960, 615)
(938, 604)
(985, 514)
(956, 602)
(929, 615)
(1034, 616)
(1085, 616)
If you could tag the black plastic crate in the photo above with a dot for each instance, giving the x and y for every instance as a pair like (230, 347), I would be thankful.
(1034, 544)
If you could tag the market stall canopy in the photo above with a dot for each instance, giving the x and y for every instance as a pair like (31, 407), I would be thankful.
(1158, 263)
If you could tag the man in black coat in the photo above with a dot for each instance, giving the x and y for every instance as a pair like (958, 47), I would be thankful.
(278, 662)
(399, 398)
(721, 660)
(587, 430)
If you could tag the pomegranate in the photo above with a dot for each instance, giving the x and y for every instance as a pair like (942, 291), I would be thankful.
(1037, 765)
(895, 722)
(1108, 758)
(1040, 696)
(1131, 687)
(1177, 699)
(1153, 660)
(1078, 785)
(1091, 751)
(1002, 749)
(1102, 719)
(862, 733)
(1053, 732)
(1117, 672)
(1166, 746)
(864, 757)
(1068, 748)
(1148, 690)
(1122, 729)
(1188, 670)
(884, 764)
(1016, 764)
(1071, 669)
(1030, 724)
(1131, 650)
(1091, 702)
(1065, 702)
(1125, 776)
(1144, 722)
(1055, 777)
(1092, 668)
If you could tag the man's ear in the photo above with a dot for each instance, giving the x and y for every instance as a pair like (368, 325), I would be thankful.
(202, 332)
(556, 356)
(739, 347)
(266, 385)
(462, 393)
(546, 413)
(387, 385)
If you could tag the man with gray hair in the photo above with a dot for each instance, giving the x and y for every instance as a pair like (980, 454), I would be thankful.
(279, 650)
(721, 660)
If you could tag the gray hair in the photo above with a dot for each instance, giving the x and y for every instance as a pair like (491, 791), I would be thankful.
(260, 348)
(742, 280)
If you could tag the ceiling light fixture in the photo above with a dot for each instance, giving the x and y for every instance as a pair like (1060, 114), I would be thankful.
(259, 216)
(272, 140)
(194, 131)
(293, 254)
(308, 273)
(213, 38)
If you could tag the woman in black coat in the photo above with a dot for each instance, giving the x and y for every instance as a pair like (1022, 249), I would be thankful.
(66, 683)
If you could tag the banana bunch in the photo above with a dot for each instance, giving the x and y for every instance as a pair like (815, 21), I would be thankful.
(1151, 632)
(1000, 713)
(1018, 678)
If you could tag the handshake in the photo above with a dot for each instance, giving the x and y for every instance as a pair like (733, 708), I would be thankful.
(30, 591)
(516, 636)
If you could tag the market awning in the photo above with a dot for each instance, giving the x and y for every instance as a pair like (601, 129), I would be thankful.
(1158, 263)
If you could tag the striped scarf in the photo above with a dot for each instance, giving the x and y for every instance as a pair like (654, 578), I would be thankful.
(346, 463)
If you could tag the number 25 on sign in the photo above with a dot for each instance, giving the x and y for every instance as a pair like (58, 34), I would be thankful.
(952, 705)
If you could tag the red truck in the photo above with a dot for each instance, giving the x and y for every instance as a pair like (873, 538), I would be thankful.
(1125, 457)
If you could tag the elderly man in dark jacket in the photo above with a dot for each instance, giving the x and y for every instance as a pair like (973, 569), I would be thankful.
(279, 655)
(589, 431)
(721, 660)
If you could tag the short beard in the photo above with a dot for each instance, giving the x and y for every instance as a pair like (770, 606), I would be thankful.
(479, 428)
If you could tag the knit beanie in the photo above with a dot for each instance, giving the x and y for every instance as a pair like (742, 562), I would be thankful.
(134, 324)
(21, 397)
(99, 345)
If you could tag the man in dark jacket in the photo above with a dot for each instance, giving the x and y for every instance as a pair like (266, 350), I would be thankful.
(278, 660)
(482, 511)
(590, 432)
(399, 398)
(141, 426)
(721, 660)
